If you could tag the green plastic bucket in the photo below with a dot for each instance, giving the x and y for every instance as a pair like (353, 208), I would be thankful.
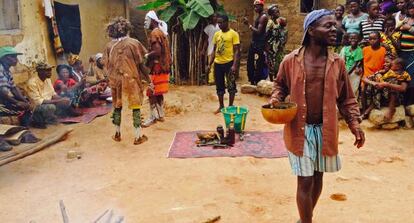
(238, 113)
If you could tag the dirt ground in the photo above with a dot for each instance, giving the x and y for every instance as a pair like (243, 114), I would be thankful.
(140, 183)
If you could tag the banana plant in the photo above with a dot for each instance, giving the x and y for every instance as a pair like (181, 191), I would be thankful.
(191, 10)
(187, 18)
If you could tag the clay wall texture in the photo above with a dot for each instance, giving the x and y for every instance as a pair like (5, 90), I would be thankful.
(32, 39)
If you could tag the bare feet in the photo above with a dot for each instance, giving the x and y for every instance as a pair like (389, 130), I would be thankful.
(140, 140)
(389, 114)
(117, 137)
(217, 111)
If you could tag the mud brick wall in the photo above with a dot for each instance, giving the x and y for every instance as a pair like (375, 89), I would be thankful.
(240, 9)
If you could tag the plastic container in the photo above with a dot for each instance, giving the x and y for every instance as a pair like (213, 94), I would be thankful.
(238, 114)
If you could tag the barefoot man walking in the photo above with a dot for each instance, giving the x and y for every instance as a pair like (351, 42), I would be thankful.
(317, 82)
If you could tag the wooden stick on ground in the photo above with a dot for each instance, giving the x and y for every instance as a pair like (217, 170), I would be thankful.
(120, 219)
(101, 216)
(12, 153)
(109, 219)
(63, 211)
(38, 146)
(213, 220)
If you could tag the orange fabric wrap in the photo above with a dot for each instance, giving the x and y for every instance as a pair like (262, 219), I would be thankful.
(160, 82)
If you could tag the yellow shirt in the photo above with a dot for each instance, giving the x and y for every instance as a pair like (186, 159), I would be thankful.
(39, 91)
(224, 43)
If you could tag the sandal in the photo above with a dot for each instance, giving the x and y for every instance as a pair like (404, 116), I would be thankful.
(4, 146)
(117, 137)
(140, 140)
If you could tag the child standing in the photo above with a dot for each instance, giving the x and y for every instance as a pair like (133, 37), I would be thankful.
(352, 55)
(374, 58)
(374, 23)
(374, 55)
(390, 38)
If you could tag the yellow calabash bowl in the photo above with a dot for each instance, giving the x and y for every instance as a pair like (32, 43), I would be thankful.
(283, 113)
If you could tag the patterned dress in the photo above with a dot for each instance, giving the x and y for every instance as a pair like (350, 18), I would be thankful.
(276, 41)
(388, 42)
(381, 97)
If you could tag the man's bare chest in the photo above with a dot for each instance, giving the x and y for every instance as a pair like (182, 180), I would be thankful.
(315, 74)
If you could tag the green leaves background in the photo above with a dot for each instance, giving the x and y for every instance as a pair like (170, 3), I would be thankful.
(191, 11)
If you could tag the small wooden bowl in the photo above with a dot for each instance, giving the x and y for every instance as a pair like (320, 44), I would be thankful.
(283, 113)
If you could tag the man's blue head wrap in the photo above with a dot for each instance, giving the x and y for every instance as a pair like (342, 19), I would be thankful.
(311, 18)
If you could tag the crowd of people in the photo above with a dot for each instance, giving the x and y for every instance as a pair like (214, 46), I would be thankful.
(269, 37)
(120, 70)
(376, 40)
(40, 102)
(130, 65)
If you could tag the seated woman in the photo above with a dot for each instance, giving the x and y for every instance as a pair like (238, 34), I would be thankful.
(80, 93)
(65, 83)
(386, 89)
(77, 69)
(65, 86)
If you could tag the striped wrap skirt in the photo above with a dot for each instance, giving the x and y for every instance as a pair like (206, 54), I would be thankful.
(312, 159)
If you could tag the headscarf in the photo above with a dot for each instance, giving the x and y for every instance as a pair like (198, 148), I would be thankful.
(259, 2)
(73, 58)
(311, 18)
(161, 24)
(273, 6)
(43, 66)
(98, 56)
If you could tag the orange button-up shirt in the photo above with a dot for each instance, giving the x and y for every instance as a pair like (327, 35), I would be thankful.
(291, 80)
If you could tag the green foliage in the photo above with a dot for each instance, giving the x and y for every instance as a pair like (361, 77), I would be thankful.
(192, 11)
(182, 2)
(201, 7)
(168, 13)
(153, 5)
(191, 20)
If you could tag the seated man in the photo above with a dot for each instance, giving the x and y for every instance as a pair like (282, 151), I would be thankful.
(12, 101)
(47, 103)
